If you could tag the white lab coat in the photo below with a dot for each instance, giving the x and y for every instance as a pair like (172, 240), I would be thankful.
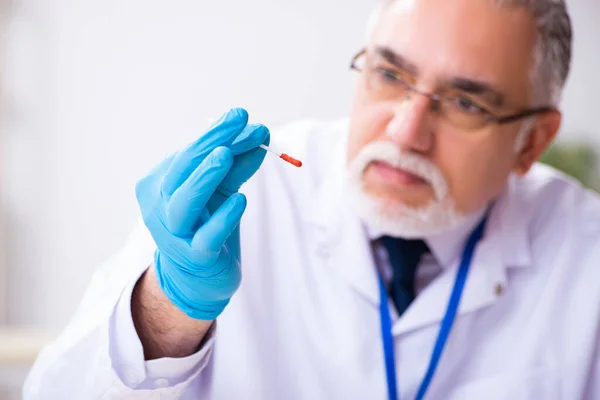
(305, 323)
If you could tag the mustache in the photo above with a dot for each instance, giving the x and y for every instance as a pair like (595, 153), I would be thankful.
(390, 153)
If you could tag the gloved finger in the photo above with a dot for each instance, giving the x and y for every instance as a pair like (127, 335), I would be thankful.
(251, 137)
(222, 133)
(184, 210)
(147, 190)
(212, 235)
(150, 184)
(244, 166)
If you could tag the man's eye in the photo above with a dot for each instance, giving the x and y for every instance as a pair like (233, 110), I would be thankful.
(389, 76)
(466, 106)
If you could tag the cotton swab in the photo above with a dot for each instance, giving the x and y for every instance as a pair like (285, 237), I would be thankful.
(283, 156)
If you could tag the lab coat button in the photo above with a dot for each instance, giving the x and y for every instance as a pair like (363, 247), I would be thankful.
(132, 378)
(499, 289)
(161, 383)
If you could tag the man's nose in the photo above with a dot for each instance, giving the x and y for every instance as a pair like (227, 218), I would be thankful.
(410, 126)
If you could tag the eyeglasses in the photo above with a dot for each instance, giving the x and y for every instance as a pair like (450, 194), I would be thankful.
(386, 83)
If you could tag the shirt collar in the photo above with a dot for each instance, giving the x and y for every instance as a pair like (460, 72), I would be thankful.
(446, 246)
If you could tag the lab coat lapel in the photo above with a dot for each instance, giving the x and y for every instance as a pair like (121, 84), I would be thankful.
(348, 252)
(486, 273)
(505, 245)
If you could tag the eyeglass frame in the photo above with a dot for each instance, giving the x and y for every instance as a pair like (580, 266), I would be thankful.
(489, 117)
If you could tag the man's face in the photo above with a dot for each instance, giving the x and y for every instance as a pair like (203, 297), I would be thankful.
(412, 155)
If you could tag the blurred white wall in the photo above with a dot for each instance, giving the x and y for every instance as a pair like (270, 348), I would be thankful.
(98, 90)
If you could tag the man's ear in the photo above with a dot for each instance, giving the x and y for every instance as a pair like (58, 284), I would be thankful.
(539, 138)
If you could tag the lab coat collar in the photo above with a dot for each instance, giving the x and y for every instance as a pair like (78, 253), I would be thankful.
(344, 241)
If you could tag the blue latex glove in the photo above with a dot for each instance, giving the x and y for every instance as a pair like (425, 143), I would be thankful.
(191, 205)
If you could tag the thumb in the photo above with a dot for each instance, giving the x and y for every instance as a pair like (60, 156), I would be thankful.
(245, 165)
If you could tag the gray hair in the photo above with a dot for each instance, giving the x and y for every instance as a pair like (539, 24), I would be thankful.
(552, 57)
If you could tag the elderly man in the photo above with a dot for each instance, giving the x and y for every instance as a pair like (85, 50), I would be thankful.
(419, 253)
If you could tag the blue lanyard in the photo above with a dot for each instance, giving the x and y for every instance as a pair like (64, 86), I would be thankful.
(446, 326)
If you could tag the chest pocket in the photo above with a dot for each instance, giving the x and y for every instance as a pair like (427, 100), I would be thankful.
(519, 385)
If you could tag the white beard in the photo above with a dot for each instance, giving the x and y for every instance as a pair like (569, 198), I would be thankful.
(394, 218)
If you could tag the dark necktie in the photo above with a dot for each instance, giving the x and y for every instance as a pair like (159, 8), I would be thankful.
(404, 256)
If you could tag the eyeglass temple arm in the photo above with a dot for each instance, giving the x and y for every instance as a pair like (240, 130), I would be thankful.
(521, 115)
(356, 57)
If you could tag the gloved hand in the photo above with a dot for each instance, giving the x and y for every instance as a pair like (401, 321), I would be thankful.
(191, 206)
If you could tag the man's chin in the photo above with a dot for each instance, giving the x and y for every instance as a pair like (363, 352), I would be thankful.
(391, 216)
(394, 203)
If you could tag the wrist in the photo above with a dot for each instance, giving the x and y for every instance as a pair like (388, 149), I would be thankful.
(164, 330)
(196, 309)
